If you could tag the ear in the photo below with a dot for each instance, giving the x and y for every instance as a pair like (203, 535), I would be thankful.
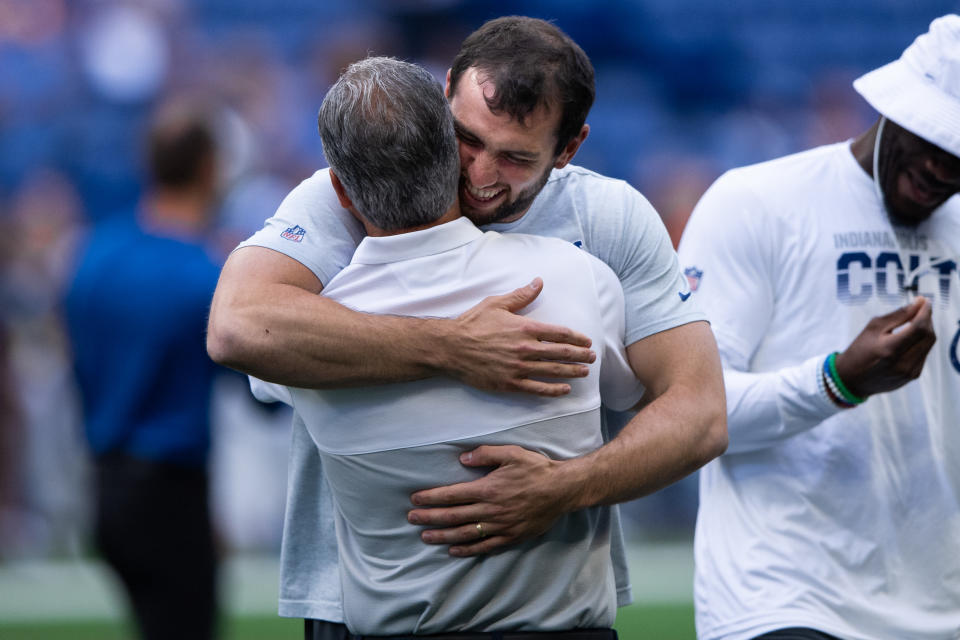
(446, 86)
(571, 149)
(342, 196)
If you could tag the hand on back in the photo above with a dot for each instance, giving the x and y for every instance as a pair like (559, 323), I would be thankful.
(497, 350)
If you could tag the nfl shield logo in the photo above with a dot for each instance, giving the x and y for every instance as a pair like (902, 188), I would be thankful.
(294, 233)
(693, 277)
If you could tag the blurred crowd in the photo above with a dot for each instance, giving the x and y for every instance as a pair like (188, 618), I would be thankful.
(686, 89)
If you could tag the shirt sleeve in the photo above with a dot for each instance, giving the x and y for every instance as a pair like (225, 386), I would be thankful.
(311, 227)
(729, 253)
(637, 247)
(766, 408)
(619, 387)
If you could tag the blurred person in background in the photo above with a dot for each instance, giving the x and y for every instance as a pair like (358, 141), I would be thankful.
(831, 281)
(520, 119)
(40, 237)
(11, 443)
(136, 311)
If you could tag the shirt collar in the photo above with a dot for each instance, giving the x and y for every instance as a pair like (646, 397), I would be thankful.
(415, 244)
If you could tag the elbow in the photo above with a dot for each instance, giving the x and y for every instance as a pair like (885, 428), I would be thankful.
(717, 439)
(714, 438)
(223, 343)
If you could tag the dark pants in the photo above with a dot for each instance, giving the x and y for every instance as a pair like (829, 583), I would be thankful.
(323, 630)
(796, 633)
(153, 528)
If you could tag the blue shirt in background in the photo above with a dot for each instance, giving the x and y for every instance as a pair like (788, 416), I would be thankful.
(136, 313)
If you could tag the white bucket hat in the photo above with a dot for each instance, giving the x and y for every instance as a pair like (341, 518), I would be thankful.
(921, 90)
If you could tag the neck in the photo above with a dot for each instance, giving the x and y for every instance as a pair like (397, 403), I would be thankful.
(862, 148)
(451, 214)
(180, 211)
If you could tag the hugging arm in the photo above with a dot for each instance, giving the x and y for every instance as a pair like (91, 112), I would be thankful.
(681, 426)
(267, 320)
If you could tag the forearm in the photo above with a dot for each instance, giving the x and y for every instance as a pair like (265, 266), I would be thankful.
(290, 336)
(668, 439)
(681, 426)
(763, 409)
(673, 436)
(268, 320)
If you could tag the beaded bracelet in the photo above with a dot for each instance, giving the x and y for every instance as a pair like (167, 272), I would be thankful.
(830, 389)
(822, 384)
(835, 384)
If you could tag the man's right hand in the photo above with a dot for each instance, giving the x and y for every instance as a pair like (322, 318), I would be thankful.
(494, 349)
(890, 351)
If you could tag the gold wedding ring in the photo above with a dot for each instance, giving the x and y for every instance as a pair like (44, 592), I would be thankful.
(480, 530)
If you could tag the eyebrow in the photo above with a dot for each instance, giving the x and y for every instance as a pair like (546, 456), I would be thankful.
(464, 132)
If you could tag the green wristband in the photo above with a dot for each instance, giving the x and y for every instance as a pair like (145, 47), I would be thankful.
(847, 395)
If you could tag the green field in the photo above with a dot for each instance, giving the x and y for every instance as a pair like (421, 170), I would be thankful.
(79, 599)
(636, 622)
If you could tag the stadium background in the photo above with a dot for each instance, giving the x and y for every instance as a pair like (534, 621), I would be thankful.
(685, 90)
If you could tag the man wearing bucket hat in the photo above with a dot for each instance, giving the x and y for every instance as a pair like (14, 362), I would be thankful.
(828, 276)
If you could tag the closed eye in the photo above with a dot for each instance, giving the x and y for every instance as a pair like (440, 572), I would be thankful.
(465, 137)
(518, 160)
(470, 142)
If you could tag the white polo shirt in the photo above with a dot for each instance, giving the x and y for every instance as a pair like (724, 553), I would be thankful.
(380, 444)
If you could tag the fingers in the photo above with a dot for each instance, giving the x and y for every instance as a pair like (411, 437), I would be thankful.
(902, 315)
(450, 517)
(538, 388)
(466, 539)
(453, 494)
(890, 351)
(924, 315)
(918, 329)
(561, 337)
(910, 362)
(519, 298)
(918, 338)
(553, 362)
(484, 546)
(489, 455)
(463, 534)
(463, 493)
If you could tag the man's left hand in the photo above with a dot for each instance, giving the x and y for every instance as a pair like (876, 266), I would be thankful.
(519, 499)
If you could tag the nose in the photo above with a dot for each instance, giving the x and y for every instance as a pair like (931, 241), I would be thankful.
(481, 168)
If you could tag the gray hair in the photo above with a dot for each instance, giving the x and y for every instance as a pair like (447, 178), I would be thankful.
(387, 133)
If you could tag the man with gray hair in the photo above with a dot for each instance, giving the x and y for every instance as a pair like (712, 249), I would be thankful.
(828, 275)
(389, 138)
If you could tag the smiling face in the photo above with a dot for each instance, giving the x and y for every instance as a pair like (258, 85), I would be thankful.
(916, 176)
(504, 163)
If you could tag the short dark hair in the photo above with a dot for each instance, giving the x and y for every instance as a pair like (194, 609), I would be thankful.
(180, 141)
(531, 63)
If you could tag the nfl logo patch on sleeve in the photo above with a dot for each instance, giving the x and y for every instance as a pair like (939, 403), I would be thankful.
(294, 233)
(693, 277)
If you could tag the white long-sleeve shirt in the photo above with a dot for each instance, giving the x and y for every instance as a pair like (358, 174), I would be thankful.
(846, 521)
